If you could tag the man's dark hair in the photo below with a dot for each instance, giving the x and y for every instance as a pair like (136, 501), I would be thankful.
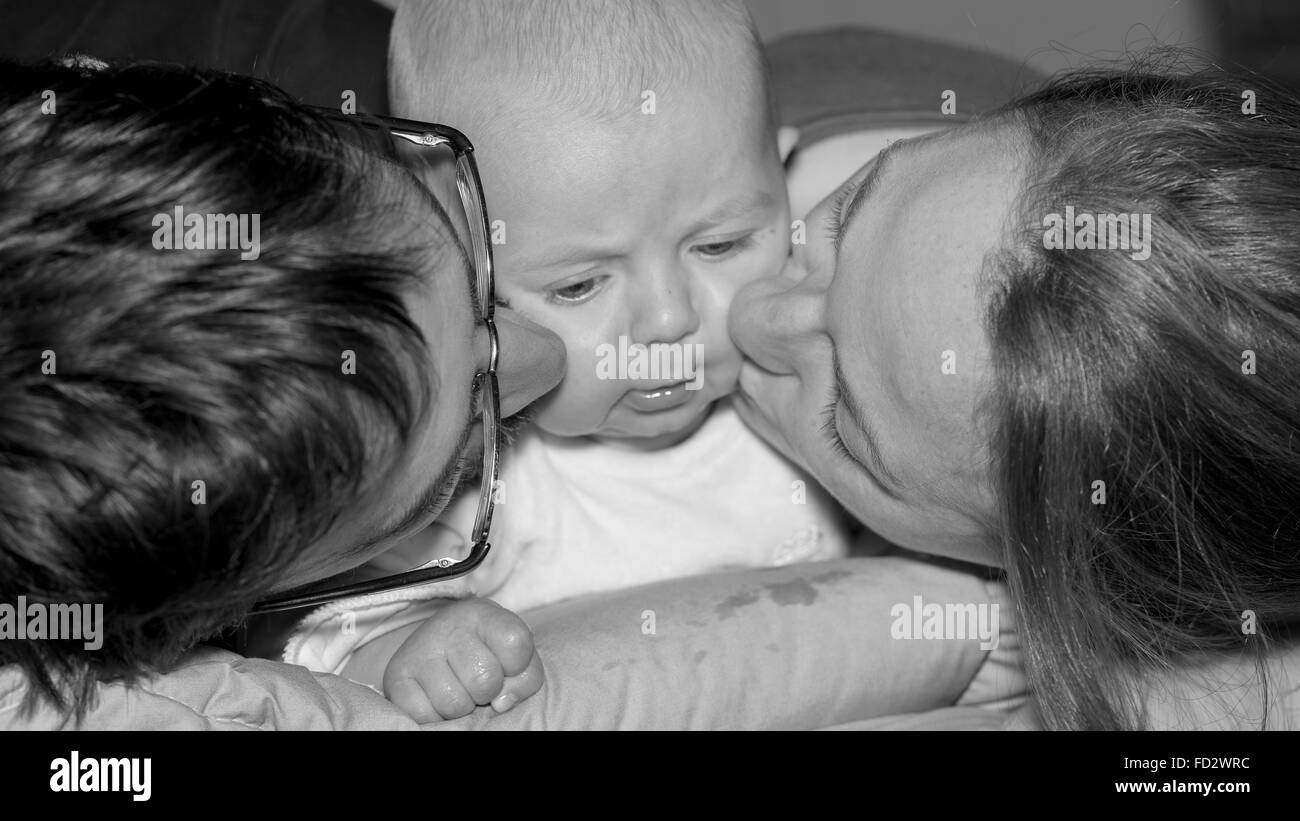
(131, 373)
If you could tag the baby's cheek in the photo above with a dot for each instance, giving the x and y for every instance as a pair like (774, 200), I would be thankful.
(774, 251)
(721, 369)
(720, 357)
(717, 357)
(580, 404)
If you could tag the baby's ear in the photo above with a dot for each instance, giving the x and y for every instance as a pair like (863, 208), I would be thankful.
(787, 137)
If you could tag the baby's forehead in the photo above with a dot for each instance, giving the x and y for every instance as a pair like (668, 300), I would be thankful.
(625, 94)
(534, 137)
(570, 200)
(525, 57)
(626, 161)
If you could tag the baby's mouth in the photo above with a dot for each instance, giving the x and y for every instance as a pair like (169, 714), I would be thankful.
(657, 399)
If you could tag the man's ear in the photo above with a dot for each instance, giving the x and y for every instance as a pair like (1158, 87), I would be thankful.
(787, 137)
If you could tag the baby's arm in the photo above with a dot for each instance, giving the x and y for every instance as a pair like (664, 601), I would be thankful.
(436, 651)
(468, 652)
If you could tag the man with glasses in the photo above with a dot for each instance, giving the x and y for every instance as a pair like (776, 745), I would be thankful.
(389, 136)
(202, 434)
(490, 656)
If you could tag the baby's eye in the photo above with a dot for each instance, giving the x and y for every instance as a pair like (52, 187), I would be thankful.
(716, 250)
(575, 292)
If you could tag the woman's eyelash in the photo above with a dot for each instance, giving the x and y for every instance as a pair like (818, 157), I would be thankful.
(837, 212)
(829, 432)
(831, 435)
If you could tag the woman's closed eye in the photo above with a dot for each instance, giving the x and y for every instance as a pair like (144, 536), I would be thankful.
(831, 435)
(834, 219)
(830, 431)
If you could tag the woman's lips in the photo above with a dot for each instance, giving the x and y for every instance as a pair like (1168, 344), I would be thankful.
(658, 399)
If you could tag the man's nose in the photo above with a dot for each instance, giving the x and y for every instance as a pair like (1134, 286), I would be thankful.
(530, 362)
(664, 309)
(778, 320)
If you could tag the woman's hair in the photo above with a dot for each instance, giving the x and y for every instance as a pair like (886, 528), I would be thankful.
(176, 425)
(1146, 411)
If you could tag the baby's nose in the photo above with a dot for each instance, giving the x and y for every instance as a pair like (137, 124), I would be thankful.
(667, 314)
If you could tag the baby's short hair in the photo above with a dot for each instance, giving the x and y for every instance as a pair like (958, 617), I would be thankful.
(473, 62)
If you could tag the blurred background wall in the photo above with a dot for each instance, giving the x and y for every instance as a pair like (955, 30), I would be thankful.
(1262, 35)
(1049, 35)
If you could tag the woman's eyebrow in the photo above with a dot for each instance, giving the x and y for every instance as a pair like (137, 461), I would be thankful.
(868, 433)
(864, 190)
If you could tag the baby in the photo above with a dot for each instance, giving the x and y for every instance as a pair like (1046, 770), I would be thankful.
(631, 167)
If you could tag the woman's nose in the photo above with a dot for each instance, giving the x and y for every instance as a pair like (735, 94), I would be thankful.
(530, 362)
(665, 310)
(778, 320)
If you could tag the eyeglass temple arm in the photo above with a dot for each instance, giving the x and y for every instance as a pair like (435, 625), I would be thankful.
(443, 570)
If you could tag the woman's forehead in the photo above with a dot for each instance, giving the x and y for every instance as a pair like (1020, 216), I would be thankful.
(907, 302)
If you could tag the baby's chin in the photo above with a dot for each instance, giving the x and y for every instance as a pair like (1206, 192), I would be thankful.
(634, 426)
(663, 431)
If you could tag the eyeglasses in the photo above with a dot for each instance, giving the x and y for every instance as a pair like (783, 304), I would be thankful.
(432, 137)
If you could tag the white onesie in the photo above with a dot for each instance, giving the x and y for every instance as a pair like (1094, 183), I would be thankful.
(576, 517)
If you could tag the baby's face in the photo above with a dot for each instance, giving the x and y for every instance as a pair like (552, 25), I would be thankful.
(638, 232)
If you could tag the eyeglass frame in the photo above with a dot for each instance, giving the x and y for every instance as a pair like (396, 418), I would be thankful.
(470, 188)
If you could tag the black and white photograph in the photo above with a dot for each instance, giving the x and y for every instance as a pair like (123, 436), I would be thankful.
(651, 365)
